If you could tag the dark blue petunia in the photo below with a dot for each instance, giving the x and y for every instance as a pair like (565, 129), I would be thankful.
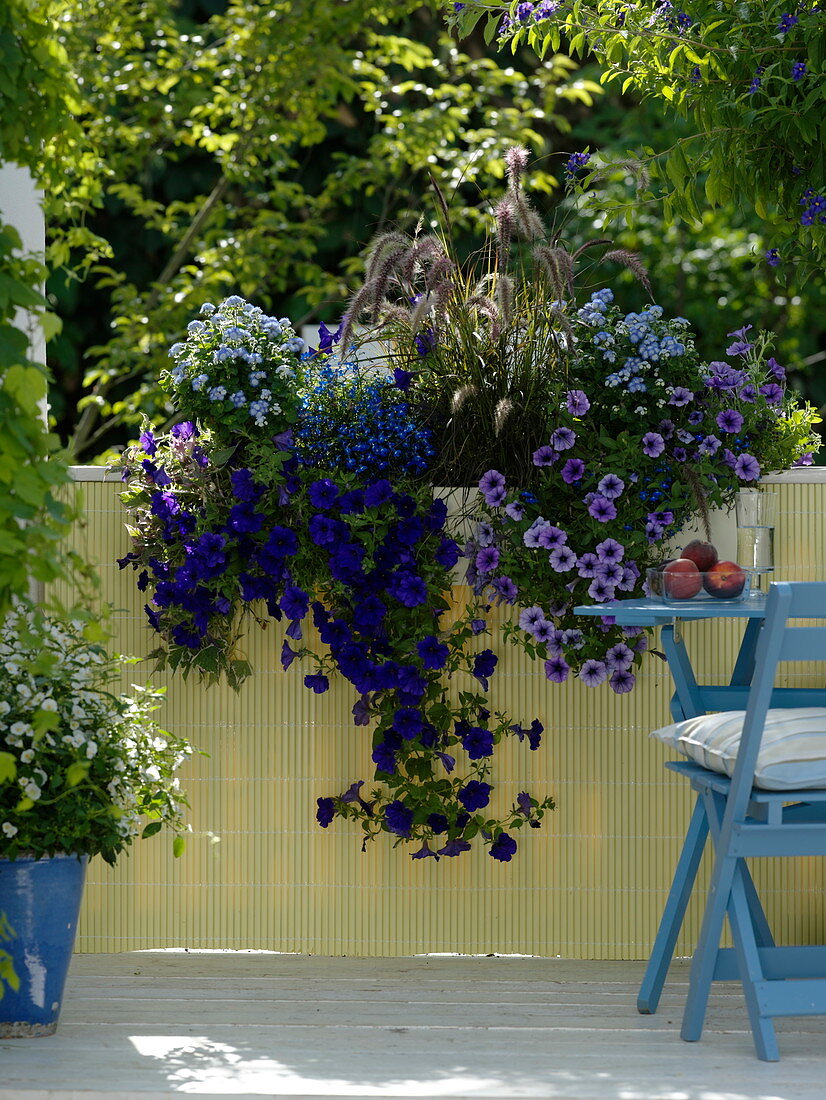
(325, 812)
(398, 817)
(503, 848)
(433, 653)
(474, 795)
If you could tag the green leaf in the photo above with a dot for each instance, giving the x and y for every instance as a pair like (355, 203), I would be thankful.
(77, 772)
(152, 828)
(8, 767)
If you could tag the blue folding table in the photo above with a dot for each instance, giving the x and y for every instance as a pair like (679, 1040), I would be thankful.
(689, 700)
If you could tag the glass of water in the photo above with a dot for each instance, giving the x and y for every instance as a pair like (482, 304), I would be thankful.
(756, 514)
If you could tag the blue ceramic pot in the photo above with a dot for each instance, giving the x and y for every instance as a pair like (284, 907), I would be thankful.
(41, 900)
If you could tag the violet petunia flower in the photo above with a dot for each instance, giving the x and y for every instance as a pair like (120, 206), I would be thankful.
(593, 672)
(515, 510)
(609, 550)
(587, 565)
(577, 402)
(563, 439)
(622, 680)
(529, 616)
(611, 486)
(680, 396)
(653, 444)
(747, 467)
(487, 559)
(729, 420)
(557, 670)
(544, 456)
(602, 510)
(491, 480)
(573, 470)
(772, 393)
(562, 559)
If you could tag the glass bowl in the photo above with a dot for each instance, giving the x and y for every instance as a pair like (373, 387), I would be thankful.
(718, 585)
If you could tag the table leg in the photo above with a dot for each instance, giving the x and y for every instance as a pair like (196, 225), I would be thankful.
(672, 919)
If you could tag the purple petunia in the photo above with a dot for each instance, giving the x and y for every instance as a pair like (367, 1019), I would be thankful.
(515, 510)
(433, 653)
(544, 456)
(563, 439)
(747, 467)
(529, 617)
(593, 672)
(325, 811)
(323, 493)
(487, 559)
(408, 722)
(503, 848)
(609, 550)
(562, 559)
(295, 602)
(398, 818)
(490, 481)
(455, 847)
(478, 742)
(378, 493)
(772, 393)
(600, 590)
(578, 404)
(619, 656)
(474, 795)
(680, 396)
(317, 683)
(653, 445)
(549, 537)
(408, 588)
(557, 670)
(622, 681)
(602, 510)
(587, 564)
(729, 420)
(611, 486)
(573, 470)
(147, 440)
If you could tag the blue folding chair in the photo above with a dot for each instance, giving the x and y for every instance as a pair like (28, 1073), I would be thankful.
(746, 820)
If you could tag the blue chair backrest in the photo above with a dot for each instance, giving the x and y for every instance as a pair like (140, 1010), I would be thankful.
(779, 641)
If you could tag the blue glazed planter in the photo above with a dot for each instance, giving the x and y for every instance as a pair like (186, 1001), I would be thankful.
(41, 900)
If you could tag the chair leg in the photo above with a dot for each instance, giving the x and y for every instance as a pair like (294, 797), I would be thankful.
(674, 912)
(705, 955)
(745, 939)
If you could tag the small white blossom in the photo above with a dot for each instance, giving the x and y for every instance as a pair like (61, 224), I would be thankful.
(9, 829)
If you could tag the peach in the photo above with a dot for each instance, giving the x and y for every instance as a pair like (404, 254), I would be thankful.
(703, 554)
(681, 579)
(725, 580)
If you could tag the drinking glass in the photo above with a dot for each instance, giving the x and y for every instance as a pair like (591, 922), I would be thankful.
(756, 513)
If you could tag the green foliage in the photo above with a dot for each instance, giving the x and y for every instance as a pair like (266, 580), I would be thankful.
(35, 100)
(258, 155)
(753, 89)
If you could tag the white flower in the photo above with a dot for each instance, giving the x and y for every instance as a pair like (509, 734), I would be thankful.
(91, 750)
(4, 707)
(30, 789)
(49, 704)
(19, 729)
(27, 756)
(9, 829)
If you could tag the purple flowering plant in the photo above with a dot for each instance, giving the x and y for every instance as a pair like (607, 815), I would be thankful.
(334, 529)
(647, 437)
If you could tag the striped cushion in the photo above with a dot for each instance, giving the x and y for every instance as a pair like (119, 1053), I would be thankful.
(792, 752)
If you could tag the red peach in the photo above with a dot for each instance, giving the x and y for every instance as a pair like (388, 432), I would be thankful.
(703, 554)
(725, 580)
(681, 579)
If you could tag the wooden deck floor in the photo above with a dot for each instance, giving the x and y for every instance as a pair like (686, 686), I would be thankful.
(159, 1024)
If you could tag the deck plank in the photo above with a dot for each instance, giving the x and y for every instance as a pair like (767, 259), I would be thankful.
(164, 1024)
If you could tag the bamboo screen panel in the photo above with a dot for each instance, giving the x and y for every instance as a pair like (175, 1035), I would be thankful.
(259, 873)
